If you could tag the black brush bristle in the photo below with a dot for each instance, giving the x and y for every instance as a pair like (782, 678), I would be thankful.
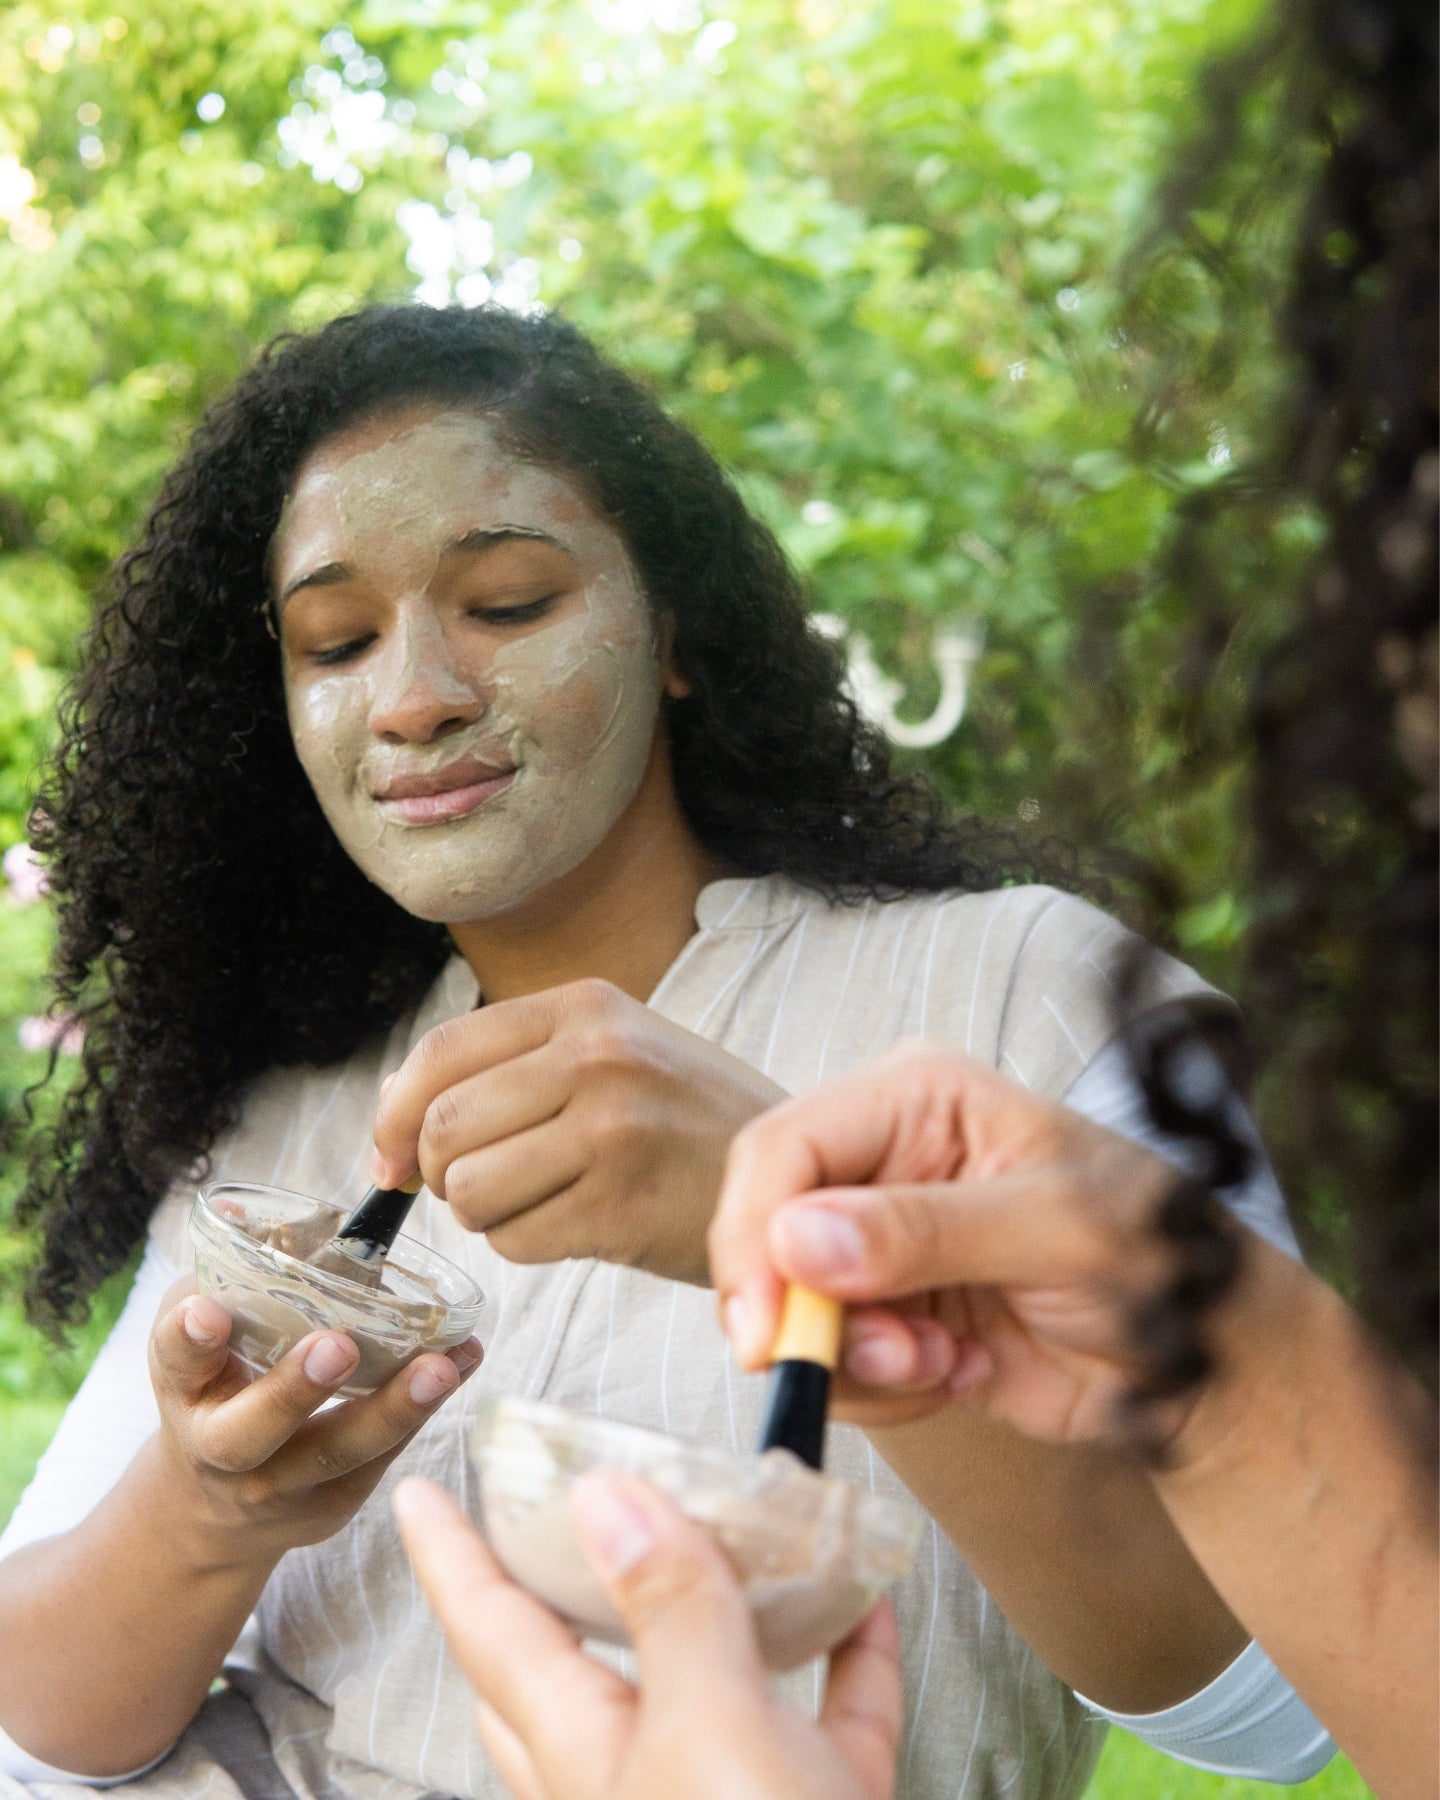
(376, 1221)
(799, 1396)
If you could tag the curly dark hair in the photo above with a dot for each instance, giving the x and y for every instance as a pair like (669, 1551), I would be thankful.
(1341, 972)
(210, 925)
(1347, 951)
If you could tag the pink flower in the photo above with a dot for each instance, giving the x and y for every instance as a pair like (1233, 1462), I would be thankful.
(25, 874)
(40, 1033)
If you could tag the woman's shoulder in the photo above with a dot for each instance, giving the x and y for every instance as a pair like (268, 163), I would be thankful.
(1027, 919)
(755, 902)
(1030, 979)
(1054, 977)
(1032, 927)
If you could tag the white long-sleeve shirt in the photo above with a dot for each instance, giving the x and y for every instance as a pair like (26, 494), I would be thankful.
(1247, 1722)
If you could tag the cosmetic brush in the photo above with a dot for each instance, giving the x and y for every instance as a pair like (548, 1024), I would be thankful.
(806, 1350)
(358, 1248)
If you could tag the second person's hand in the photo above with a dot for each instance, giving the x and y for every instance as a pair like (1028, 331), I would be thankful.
(704, 1722)
(998, 1250)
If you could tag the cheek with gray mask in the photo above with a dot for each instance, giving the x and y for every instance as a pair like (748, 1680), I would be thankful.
(572, 707)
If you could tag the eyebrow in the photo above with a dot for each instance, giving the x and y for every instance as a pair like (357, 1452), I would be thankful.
(484, 536)
(469, 543)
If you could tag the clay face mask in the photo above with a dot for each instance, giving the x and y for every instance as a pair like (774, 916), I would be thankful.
(470, 665)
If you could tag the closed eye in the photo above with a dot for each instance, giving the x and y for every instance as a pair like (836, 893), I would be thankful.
(514, 615)
(342, 653)
(521, 614)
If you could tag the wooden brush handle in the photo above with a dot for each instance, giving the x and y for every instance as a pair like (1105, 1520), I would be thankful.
(810, 1326)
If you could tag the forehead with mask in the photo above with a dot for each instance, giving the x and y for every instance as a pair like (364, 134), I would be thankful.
(471, 669)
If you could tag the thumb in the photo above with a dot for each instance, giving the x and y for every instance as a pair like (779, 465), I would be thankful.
(881, 1243)
(678, 1595)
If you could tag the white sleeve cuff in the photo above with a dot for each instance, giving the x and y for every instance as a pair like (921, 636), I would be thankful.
(1248, 1722)
(20, 1765)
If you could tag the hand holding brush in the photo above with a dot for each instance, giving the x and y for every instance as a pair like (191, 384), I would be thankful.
(359, 1247)
(802, 1360)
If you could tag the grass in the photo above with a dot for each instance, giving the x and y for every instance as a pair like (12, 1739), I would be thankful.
(1128, 1769)
(26, 1427)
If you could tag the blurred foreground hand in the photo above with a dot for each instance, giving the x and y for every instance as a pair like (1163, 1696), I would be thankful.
(703, 1722)
(990, 1245)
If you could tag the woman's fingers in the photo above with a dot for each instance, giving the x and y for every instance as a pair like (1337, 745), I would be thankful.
(273, 1417)
(523, 1664)
(484, 1112)
(682, 1605)
(834, 1133)
(245, 1429)
(452, 1052)
(883, 1349)
(378, 1424)
(506, 1749)
(492, 1627)
(495, 1187)
(189, 1345)
(863, 1708)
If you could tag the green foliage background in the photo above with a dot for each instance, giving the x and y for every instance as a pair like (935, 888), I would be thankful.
(870, 249)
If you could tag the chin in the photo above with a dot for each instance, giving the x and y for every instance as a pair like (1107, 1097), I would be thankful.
(453, 903)
(473, 877)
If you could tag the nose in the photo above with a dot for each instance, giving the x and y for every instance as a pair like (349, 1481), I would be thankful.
(422, 694)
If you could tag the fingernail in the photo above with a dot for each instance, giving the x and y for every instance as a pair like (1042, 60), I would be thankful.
(974, 1366)
(198, 1332)
(329, 1360)
(466, 1356)
(820, 1241)
(385, 1084)
(880, 1361)
(429, 1383)
(378, 1169)
(614, 1532)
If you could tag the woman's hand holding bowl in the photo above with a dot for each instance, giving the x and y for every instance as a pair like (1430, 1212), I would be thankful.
(254, 1466)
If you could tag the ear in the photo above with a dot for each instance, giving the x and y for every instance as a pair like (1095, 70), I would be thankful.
(672, 683)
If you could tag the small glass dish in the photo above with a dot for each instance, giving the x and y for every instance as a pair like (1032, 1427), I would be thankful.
(813, 1553)
(250, 1248)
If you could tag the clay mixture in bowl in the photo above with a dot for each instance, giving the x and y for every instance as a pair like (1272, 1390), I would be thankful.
(251, 1245)
(814, 1553)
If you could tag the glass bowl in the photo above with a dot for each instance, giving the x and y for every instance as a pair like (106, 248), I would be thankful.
(813, 1553)
(250, 1248)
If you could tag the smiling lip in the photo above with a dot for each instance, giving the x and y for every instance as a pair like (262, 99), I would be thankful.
(446, 794)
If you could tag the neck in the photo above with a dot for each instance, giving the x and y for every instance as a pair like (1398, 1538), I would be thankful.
(622, 915)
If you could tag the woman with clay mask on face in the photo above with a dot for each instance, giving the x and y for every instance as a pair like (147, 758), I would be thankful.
(448, 669)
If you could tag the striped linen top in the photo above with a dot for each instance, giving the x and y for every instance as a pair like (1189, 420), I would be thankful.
(351, 1691)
